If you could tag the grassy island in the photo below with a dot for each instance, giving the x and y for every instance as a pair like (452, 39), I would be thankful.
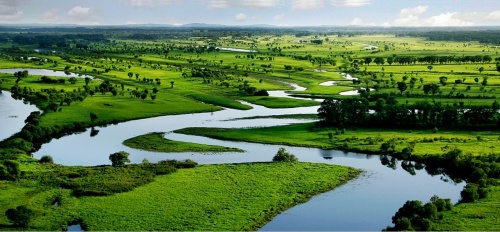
(156, 142)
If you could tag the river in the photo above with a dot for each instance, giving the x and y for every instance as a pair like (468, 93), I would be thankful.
(366, 203)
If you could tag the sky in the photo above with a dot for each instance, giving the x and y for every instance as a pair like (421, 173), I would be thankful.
(387, 13)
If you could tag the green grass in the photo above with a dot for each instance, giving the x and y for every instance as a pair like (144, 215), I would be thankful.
(213, 197)
(479, 216)
(158, 143)
(358, 139)
(280, 102)
(189, 199)
(220, 101)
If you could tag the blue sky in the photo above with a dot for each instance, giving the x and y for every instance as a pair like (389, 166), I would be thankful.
(247, 12)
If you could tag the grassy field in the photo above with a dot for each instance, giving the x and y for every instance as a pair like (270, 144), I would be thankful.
(359, 139)
(174, 80)
(158, 143)
(189, 199)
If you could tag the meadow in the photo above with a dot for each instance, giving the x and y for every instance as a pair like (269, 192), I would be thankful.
(184, 72)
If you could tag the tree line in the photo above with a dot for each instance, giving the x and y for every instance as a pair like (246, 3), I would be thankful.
(387, 113)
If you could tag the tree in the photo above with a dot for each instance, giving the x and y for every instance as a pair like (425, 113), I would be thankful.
(379, 60)
(368, 60)
(20, 216)
(284, 156)
(93, 116)
(402, 87)
(430, 67)
(431, 88)
(443, 80)
(469, 193)
(72, 80)
(481, 69)
(172, 84)
(130, 74)
(46, 159)
(119, 158)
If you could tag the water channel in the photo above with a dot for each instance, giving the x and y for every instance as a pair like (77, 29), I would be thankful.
(45, 72)
(366, 203)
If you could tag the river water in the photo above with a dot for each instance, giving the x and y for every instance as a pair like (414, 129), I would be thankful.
(366, 203)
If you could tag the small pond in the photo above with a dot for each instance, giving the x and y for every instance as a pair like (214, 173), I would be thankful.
(45, 72)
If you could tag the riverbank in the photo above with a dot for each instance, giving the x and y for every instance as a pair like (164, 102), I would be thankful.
(363, 140)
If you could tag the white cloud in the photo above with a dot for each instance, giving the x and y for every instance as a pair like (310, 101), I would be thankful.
(9, 11)
(492, 16)
(259, 4)
(83, 14)
(447, 19)
(413, 11)
(50, 16)
(279, 17)
(241, 17)
(307, 4)
(219, 4)
(350, 3)
(411, 17)
(361, 22)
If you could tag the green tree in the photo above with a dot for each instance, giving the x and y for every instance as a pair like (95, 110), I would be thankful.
(46, 159)
(481, 69)
(119, 158)
(402, 87)
(284, 156)
(430, 67)
(20, 216)
(130, 74)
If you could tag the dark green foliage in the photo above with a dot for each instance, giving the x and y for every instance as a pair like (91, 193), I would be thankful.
(415, 216)
(284, 156)
(261, 93)
(343, 112)
(106, 180)
(119, 158)
(9, 170)
(93, 116)
(20, 216)
(46, 159)
(469, 193)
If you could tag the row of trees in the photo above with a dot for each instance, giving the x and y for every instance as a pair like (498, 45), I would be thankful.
(407, 60)
(355, 112)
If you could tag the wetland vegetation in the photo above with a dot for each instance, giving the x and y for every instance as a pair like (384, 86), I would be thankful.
(421, 97)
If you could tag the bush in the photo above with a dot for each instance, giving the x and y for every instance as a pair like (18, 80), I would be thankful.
(9, 170)
(284, 156)
(119, 158)
(46, 159)
(469, 194)
(20, 216)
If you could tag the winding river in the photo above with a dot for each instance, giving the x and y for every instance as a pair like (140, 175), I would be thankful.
(366, 203)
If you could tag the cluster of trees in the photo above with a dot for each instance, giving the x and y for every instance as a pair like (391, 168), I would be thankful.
(61, 41)
(207, 73)
(415, 216)
(284, 156)
(388, 113)
(407, 60)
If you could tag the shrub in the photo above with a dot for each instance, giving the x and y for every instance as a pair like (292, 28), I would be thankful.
(119, 158)
(46, 159)
(284, 156)
(20, 216)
